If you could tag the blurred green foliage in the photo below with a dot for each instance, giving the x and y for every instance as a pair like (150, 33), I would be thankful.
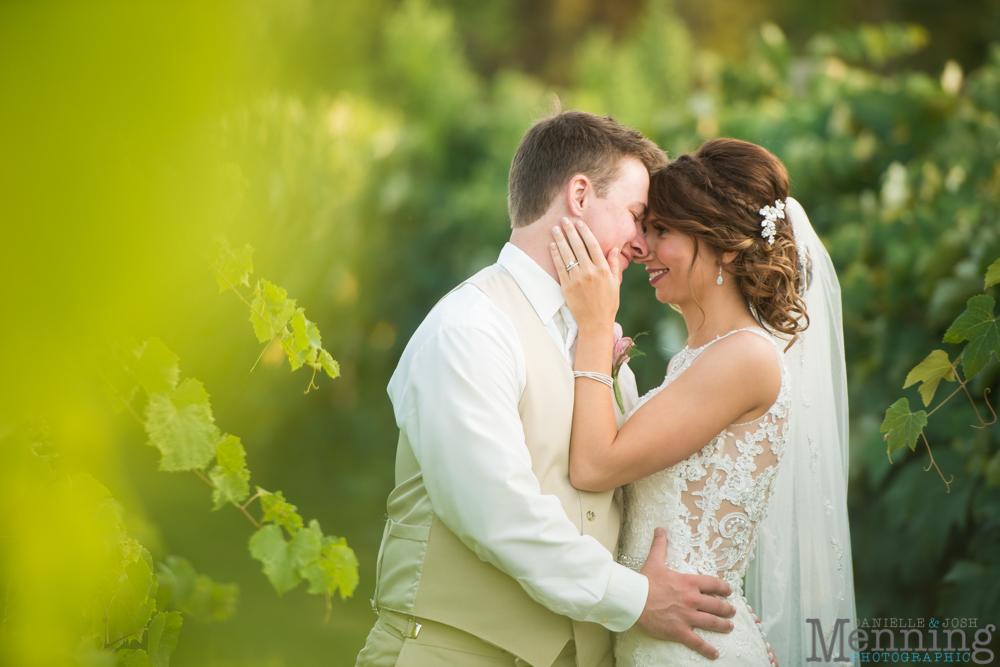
(363, 154)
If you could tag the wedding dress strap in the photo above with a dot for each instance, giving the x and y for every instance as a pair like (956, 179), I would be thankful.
(757, 330)
(692, 354)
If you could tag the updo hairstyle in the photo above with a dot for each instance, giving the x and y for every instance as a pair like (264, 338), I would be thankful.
(715, 196)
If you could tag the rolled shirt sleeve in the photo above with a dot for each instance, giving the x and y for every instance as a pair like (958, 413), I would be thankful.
(457, 403)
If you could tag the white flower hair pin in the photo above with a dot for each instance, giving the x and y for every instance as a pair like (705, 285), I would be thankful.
(771, 214)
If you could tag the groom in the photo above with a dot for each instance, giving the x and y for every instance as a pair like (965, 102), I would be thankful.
(490, 556)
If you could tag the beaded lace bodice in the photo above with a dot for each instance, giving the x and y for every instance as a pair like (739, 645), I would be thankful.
(710, 503)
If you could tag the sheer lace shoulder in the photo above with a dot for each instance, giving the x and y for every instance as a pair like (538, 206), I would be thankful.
(710, 504)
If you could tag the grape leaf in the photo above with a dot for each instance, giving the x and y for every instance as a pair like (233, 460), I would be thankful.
(133, 599)
(269, 547)
(235, 266)
(306, 545)
(904, 427)
(339, 566)
(306, 332)
(163, 632)
(270, 310)
(979, 326)
(230, 474)
(129, 657)
(326, 562)
(287, 344)
(330, 365)
(155, 366)
(304, 341)
(279, 511)
(190, 392)
(929, 373)
(992, 274)
(181, 426)
(196, 595)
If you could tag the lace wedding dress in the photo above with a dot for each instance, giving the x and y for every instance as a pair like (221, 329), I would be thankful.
(710, 505)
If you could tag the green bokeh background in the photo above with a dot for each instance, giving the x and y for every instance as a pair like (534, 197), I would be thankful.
(362, 147)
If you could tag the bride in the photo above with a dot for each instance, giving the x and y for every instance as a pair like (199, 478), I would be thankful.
(750, 421)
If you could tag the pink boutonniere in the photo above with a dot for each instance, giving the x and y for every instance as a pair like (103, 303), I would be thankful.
(624, 351)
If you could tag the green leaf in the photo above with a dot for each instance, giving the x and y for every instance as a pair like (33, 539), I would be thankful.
(230, 474)
(269, 547)
(270, 310)
(235, 266)
(279, 511)
(978, 325)
(181, 426)
(288, 345)
(190, 392)
(196, 595)
(155, 366)
(904, 427)
(305, 547)
(163, 632)
(340, 566)
(930, 372)
(992, 274)
(618, 395)
(300, 340)
(303, 342)
(133, 599)
(330, 365)
(129, 657)
(326, 562)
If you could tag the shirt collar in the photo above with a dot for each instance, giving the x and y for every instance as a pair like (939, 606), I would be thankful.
(543, 292)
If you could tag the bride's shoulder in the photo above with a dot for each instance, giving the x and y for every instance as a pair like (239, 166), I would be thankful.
(744, 356)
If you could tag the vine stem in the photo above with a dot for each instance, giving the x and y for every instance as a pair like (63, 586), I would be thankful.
(250, 516)
(963, 386)
(243, 508)
(107, 643)
(202, 477)
(197, 472)
(947, 482)
(978, 416)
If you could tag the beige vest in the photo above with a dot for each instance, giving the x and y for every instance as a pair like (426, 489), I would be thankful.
(426, 571)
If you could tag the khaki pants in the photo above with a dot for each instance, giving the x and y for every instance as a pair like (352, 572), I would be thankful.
(390, 644)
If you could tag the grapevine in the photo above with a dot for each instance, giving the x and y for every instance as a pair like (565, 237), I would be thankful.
(977, 325)
(178, 421)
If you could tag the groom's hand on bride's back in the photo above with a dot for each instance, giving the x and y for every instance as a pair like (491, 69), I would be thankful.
(677, 603)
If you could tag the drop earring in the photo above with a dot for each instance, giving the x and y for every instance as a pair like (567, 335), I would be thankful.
(718, 281)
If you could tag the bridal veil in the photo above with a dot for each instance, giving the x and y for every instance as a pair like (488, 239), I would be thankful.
(802, 565)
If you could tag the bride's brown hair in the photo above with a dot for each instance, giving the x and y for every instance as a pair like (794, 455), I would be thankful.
(715, 196)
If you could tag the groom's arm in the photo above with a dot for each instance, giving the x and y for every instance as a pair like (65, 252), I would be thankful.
(457, 403)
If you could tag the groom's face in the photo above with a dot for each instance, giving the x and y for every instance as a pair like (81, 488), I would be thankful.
(616, 220)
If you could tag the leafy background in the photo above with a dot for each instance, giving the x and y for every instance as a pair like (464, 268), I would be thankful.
(362, 148)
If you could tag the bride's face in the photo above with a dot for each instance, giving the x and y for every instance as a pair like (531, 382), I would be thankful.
(675, 271)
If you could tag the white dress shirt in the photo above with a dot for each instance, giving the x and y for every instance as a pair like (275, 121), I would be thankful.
(455, 394)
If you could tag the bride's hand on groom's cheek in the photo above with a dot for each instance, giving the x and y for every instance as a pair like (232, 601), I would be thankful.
(589, 280)
(678, 603)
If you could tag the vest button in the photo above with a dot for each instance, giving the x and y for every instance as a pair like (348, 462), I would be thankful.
(590, 515)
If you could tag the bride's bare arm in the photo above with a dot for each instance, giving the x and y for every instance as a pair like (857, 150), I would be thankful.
(739, 376)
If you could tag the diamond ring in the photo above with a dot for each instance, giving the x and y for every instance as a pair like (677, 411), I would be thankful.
(572, 265)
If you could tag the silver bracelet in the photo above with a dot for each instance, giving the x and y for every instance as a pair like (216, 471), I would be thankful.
(600, 377)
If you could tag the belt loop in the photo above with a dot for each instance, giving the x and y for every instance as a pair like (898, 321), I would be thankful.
(378, 563)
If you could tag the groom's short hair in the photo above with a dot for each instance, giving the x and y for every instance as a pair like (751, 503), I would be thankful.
(565, 144)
